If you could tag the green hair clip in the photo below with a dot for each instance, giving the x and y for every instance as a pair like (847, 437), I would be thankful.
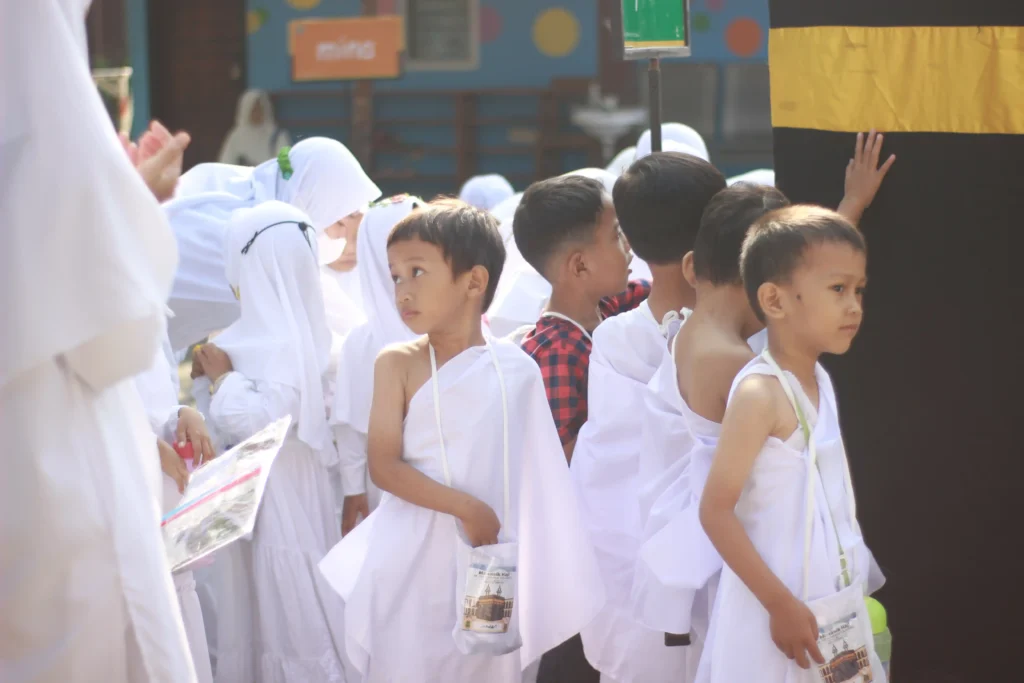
(285, 163)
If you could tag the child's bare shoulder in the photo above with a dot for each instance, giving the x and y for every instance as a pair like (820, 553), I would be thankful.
(719, 358)
(763, 395)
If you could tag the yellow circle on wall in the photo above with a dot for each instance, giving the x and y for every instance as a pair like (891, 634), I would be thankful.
(303, 4)
(556, 32)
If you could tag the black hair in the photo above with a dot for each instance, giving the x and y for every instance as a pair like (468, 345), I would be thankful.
(555, 212)
(467, 236)
(776, 244)
(659, 200)
(724, 226)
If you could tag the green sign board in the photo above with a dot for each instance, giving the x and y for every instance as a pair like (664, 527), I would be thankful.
(656, 28)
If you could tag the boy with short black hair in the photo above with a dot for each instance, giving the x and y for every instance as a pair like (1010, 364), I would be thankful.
(659, 201)
(566, 228)
(452, 486)
(778, 503)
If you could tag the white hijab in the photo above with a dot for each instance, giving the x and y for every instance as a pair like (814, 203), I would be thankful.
(677, 132)
(622, 161)
(86, 258)
(247, 143)
(599, 174)
(282, 334)
(384, 324)
(486, 191)
(327, 184)
(760, 176)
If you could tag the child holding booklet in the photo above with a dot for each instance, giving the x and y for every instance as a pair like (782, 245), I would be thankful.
(461, 440)
(778, 503)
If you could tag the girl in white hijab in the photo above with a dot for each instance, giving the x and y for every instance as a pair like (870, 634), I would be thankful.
(677, 132)
(622, 161)
(319, 176)
(486, 191)
(276, 622)
(354, 386)
(255, 137)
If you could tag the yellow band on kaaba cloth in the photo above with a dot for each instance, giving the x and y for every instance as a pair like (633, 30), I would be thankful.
(956, 79)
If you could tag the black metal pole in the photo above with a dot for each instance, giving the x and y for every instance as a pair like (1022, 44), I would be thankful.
(654, 89)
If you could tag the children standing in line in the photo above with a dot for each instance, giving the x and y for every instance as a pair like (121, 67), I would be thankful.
(673, 589)
(461, 439)
(778, 504)
(659, 201)
(278, 621)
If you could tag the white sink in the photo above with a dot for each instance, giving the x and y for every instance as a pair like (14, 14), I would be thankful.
(608, 125)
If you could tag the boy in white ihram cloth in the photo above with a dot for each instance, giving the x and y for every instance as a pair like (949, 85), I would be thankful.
(277, 620)
(674, 132)
(350, 414)
(84, 274)
(462, 440)
(659, 201)
(675, 564)
(318, 176)
(673, 591)
(778, 504)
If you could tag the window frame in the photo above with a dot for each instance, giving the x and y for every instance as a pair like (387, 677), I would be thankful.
(470, 64)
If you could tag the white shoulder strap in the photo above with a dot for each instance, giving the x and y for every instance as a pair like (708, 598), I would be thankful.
(505, 429)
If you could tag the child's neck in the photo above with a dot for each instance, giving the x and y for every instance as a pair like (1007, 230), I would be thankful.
(456, 338)
(793, 356)
(577, 306)
(726, 306)
(669, 291)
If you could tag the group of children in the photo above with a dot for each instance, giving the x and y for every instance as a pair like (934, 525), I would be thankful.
(645, 483)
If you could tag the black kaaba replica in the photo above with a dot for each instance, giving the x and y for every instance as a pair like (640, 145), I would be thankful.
(932, 393)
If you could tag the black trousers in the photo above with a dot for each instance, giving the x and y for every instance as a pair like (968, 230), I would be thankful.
(566, 664)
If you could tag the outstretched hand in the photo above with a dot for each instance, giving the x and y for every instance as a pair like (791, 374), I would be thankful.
(864, 176)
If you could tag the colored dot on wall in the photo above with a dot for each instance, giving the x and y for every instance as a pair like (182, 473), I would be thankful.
(556, 32)
(254, 19)
(701, 22)
(743, 37)
(490, 24)
(715, 5)
(304, 4)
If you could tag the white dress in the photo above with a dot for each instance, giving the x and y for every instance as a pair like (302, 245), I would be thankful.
(772, 510)
(278, 621)
(397, 570)
(627, 350)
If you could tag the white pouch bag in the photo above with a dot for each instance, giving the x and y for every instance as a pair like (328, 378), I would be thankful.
(486, 618)
(844, 628)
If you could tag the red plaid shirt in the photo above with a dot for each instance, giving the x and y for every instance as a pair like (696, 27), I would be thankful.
(563, 352)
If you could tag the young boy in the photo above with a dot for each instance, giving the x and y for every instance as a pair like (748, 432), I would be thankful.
(659, 201)
(566, 229)
(778, 505)
(446, 408)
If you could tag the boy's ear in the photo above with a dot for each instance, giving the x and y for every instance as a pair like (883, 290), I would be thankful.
(478, 281)
(577, 263)
(769, 296)
(688, 271)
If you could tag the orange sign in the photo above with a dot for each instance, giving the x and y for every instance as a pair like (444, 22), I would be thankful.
(341, 49)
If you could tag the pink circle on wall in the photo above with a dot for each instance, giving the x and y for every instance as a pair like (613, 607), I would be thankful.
(490, 24)
(386, 7)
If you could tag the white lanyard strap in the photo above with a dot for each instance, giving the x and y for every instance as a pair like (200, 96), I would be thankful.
(504, 425)
(551, 314)
(812, 467)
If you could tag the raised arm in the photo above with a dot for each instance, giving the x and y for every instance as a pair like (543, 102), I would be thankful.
(863, 176)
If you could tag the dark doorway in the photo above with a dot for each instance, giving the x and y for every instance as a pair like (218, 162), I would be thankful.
(197, 69)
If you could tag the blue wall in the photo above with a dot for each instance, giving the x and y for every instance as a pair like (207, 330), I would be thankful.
(510, 60)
